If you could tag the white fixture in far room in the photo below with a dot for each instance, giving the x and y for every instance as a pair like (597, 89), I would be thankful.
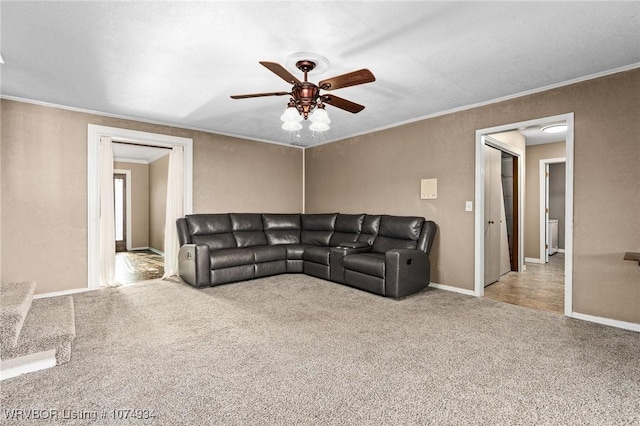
(555, 128)
(428, 189)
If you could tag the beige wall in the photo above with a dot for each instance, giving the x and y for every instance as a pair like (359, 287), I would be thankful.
(534, 154)
(158, 175)
(44, 186)
(139, 202)
(380, 173)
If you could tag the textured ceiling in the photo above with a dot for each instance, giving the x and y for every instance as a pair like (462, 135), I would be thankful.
(178, 62)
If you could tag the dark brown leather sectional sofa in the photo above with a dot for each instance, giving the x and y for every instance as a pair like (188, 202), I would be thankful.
(382, 254)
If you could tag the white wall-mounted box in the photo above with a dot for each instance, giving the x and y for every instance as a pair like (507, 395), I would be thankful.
(428, 189)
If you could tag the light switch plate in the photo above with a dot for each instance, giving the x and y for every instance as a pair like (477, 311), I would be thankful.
(429, 189)
(468, 206)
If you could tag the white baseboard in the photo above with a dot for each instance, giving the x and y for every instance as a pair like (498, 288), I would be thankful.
(156, 251)
(453, 289)
(632, 326)
(27, 364)
(532, 260)
(560, 250)
(62, 293)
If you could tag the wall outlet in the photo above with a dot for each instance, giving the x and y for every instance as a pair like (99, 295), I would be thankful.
(468, 206)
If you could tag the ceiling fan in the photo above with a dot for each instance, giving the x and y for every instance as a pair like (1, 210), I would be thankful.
(306, 97)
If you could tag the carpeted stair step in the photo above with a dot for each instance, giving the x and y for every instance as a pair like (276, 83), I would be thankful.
(49, 325)
(15, 301)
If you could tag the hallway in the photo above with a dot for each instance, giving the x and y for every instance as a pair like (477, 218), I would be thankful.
(541, 286)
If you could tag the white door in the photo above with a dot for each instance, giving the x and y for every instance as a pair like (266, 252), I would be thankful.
(493, 205)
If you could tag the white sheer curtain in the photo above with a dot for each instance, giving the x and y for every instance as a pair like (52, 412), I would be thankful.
(175, 210)
(107, 261)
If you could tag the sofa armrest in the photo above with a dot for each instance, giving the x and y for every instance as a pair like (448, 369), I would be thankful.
(194, 264)
(336, 260)
(407, 271)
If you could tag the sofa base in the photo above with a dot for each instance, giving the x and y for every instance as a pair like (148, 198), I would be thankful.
(270, 268)
(295, 266)
(364, 282)
(317, 270)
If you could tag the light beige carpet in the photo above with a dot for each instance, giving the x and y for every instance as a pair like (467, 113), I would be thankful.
(292, 349)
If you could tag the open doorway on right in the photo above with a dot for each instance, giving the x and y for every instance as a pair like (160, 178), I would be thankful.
(541, 284)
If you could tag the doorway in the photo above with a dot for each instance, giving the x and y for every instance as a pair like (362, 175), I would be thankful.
(95, 132)
(552, 207)
(483, 139)
(120, 210)
(146, 170)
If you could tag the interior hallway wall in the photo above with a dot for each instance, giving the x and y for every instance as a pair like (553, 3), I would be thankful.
(158, 177)
(139, 184)
(532, 207)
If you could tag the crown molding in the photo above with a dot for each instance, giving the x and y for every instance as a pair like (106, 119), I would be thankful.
(377, 129)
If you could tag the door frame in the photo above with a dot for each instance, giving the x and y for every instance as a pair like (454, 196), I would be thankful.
(127, 219)
(544, 201)
(481, 137)
(93, 182)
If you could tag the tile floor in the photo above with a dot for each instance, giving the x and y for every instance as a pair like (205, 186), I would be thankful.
(138, 265)
(541, 286)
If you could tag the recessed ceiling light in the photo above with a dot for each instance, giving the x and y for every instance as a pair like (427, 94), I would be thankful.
(555, 128)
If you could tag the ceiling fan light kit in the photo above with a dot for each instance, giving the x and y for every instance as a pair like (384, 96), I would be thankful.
(306, 102)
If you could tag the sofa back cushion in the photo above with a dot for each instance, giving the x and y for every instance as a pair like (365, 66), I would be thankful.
(397, 232)
(317, 228)
(370, 228)
(281, 228)
(247, 229)
(211, 229)
(347, 229)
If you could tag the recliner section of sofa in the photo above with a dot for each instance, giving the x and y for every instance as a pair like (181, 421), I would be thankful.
(382, 254)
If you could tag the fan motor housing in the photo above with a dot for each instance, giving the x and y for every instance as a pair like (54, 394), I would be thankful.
(305, 96)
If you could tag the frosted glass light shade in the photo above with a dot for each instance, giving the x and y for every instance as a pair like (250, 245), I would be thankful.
(291, 125)
(318, 127)
(291, 114)
(320, 116)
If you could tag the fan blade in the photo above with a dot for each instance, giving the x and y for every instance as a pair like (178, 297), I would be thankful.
(257, 95)
(281, 72)
(345, 80)
(342, 103)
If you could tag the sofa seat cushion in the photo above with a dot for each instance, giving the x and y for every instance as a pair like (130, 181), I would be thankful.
(295, 251)
(366, 263)
(226, 258)
(317, 255)
(269, 253)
